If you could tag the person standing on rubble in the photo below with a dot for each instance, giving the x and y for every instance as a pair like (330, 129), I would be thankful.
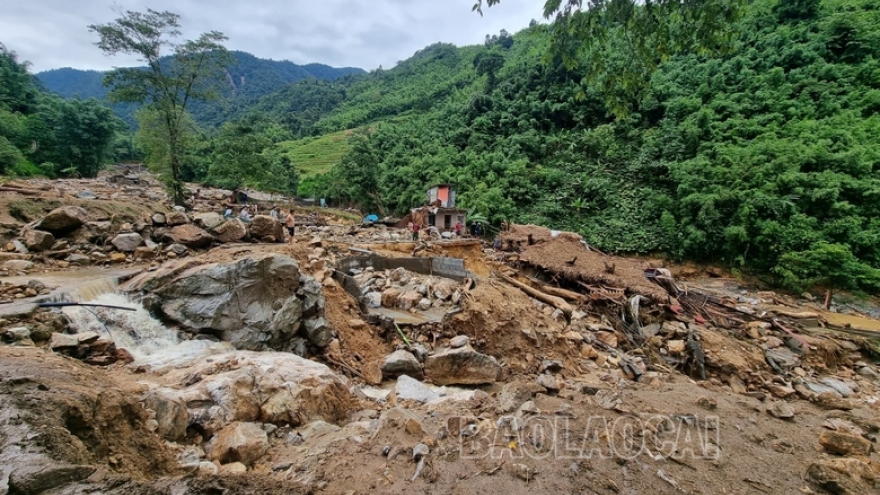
(415, 231)
(458, 229)
(290, 223)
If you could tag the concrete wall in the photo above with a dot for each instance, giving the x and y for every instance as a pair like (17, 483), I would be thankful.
(442, 267)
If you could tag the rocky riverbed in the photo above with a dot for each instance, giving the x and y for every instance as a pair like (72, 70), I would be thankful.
(260, 366)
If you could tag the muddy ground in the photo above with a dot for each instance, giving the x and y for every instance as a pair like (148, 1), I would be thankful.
(565, 414)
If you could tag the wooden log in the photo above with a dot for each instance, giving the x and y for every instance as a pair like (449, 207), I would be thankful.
(565, 294)
(554, 301)
(19, 191)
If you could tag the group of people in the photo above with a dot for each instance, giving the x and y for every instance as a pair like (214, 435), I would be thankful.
(475, 229)
(286, 217)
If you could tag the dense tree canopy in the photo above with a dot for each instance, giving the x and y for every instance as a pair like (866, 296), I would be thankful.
(43, 134)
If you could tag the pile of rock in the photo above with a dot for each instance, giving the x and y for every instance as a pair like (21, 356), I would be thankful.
(71, 235)
(406, 290)
(10, 292)
(89, 347)
(456, 364)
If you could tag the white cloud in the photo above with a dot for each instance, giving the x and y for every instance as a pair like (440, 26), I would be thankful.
(358, 33)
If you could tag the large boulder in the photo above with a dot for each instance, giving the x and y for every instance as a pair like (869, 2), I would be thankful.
(190, 236)
(208, 220)
(257, 303)
(63, 220)
(38, 240)
(263, 226)
(239, 442)
(462, 366)
(246, 386)
(232, 230)
(127, 242)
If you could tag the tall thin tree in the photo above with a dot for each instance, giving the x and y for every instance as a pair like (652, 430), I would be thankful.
(176, 73)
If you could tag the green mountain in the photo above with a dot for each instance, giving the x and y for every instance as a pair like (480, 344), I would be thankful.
(246, 80)
(766, 158)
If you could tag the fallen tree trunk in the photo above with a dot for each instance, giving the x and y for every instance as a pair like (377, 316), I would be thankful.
(565, 294)
(554, 301)
(25, 192)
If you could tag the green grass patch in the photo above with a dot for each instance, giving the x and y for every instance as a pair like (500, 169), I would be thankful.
(316, 155)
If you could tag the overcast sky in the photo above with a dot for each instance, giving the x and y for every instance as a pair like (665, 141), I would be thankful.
(357, 33)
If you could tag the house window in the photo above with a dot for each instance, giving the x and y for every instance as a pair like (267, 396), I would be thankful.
(447, 224)
(432, 220)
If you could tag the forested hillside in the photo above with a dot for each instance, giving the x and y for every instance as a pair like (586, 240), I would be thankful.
(41, 133)
(767, 158)
(247, 79)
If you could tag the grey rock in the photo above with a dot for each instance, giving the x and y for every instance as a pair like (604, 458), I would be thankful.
(424, 304)
(319, 331)
(649, 331)
(841, 388)
(127, 243)
(40, 478)
(408, 388)
(78, 259)
(782, 358)
(61, 341)
(419, 451)
(177, 249)
(20, 247)
(254, 303)
(86, 195)
(459, 341)
(401, 362)
(514, 394)
(159, 219)
(19, 333)
(374, 299)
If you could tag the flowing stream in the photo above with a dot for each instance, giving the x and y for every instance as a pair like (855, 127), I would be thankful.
(146, 338)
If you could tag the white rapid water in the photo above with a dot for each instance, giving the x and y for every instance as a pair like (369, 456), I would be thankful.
(148, 340)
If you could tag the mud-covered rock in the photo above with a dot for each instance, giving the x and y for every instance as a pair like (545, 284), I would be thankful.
(63, 220)
(175, 218)
(462, 366)
(171, 415)
(18, 265)
(263, 226)
(208, 220)
(239, 443)
(38, 240)
(838, 442)
(231, 230)
(190, 236)
(246, 386)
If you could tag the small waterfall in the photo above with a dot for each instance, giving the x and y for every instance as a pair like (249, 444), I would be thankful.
(150, 342)
(136, 331)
